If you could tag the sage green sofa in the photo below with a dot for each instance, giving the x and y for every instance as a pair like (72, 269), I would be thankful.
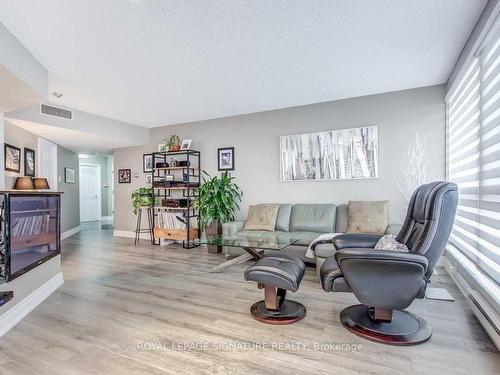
(304, 222)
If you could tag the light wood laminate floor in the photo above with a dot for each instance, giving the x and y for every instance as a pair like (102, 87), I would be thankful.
(127, 309)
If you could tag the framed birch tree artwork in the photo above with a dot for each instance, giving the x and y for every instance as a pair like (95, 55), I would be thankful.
(330, 155)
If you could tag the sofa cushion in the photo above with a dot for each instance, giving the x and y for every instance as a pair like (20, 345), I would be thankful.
(388, 242)
(262, 217)
(341, 218)
(283, 219)
(368, 217)
(319, 218)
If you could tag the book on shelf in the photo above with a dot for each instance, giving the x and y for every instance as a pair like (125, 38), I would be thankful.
(169, 220)
(30, 226)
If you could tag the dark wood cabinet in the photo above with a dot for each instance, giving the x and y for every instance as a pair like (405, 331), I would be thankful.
(30, 232)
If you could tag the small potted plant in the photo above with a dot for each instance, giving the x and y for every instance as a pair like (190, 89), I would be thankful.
(216, 201)
(142, 197)
(173, 143)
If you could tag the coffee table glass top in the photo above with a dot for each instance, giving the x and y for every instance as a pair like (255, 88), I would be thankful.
(267, 242)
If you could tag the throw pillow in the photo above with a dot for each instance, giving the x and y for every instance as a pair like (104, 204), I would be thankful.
(262, 217)
(367, 217)
(388, 242)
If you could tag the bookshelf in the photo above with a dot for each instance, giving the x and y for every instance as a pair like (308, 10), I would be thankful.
(176, 185)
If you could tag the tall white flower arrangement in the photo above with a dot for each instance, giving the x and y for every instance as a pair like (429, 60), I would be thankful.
(417, 171)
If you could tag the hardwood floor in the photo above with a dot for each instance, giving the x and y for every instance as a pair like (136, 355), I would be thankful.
(128, 310)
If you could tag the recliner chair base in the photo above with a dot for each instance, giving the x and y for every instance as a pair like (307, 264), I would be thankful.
(289, 312)
(405, 328)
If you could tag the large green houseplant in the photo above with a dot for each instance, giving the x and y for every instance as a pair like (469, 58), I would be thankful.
(142, 197)
(217, 200)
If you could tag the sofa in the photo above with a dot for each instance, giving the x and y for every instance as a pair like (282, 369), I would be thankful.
(304, 222)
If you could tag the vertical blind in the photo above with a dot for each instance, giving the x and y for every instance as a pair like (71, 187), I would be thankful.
(473, 113)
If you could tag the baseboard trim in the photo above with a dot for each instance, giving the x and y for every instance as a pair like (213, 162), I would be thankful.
(130, 234)
(28, 304)
(70, 232)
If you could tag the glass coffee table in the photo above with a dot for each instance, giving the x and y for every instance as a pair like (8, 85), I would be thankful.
(253, 245)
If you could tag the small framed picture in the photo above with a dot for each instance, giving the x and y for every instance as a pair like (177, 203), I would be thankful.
(225, 159)
(12, 158)
(186, 144)
(69, 175)
(147, 162)
(124, 176)
(149, 179)
(29, 162)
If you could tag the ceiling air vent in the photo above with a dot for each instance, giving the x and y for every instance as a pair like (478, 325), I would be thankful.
(57, 112)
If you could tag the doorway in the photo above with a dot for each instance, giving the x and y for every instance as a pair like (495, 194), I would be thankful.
(90, 192)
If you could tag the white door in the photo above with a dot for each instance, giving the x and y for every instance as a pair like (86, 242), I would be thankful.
(47, 162)
(90, 192)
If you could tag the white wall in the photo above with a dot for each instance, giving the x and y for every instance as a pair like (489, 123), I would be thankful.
(398, 115)
(21, 138)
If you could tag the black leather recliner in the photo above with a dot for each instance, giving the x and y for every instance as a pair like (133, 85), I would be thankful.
(387, 282)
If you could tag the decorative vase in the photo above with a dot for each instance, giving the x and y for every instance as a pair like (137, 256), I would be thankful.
(214, 229)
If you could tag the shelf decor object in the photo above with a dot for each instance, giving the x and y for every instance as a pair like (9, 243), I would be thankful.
(30, 232)
(41, 183)
(175, 178)
(24, 183)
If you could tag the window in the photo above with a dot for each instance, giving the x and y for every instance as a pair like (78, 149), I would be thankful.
(473, 115)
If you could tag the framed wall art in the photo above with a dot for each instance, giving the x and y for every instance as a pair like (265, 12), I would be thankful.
(124, 176)
(12, 156)
(225, 159)
(29, 162)
(330, 155)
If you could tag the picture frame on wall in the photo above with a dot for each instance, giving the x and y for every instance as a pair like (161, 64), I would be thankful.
(147, 163)
(339, 154)
(12, 161)
(29, 162)
(124, 176)
(225, 159)
(69, 175)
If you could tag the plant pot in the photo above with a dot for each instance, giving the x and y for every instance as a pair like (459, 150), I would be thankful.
(214, 229)
(174, 148)
(145, 201)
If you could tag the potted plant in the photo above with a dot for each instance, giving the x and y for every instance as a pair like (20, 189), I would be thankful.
(174, 143)
(216, 201)
(142, 197)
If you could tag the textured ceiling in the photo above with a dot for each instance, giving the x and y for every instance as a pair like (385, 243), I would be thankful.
(156, 63)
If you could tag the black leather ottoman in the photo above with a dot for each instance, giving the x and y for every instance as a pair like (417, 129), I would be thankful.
(277, 274)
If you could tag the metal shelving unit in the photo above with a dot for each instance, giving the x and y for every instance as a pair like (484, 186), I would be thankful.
(190, 177)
